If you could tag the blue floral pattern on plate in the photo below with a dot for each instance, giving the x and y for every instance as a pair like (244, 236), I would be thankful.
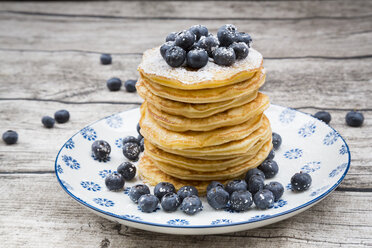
(178, 222)
(71, 162)
(343, 150)
(59, 169)
(221, 222)
(67, 186)
(104, 173)
(280, 203)
(318, 191)
(293, 153)
(307, 130)
(259, 217)
(330, 138)
(88, 133)
(119, 143)
(311, 167)
(114, 121)
(132, 217)
(126, 190)
(287, 116)
(339, 168)
(104, 202)
(91, 186)
(70, 144)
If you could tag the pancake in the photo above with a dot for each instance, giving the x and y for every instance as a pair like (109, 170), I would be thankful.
(154, 67)
(162, 137)
(223, 93)
(192, 110)
(229, 117)
(232, 172)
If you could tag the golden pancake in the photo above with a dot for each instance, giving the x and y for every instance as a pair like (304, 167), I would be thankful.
(162, 137)
(154, 67)
(192, 110)
(229, 117)
(219, 94)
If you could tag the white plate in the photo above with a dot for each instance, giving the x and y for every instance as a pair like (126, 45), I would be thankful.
(308, 145)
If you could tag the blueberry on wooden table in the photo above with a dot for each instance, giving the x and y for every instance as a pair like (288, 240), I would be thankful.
(62, 116)
(101, 150)
(170, 202)
(277, 141)
(191, 205)
(148, 203)
(301, 181)
(186, 191)
(130, 85)
(323, 116)
(276, 188)
(137, 191)
(162, 188)
(131, 151)
(264, 199)
(127, 170)
(241, 200)
(114, 181)
(106, 59)
(354, 119)
(10, 137)
(236, 185)
(218, 197)
(269, 167)
(255, 184)
(114, 84)
(48, 121)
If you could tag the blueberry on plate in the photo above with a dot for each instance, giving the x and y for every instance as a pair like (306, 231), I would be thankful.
(253, 172)
(236, 185)
(264, 199)
(48, 121)
(142, 145)
(301, 181)
(184, 39)
(162, 188)
(175, 56)
(170, 202)
(130, 85)
(209, 43)
(241, 200)
(197, 58)
(139, 138)
(165, 47)
(171, 37)
(255, 184)
(138, 128)
(131, 151)
(186, 191)
(243, 37)
(277, 141)
(148, 203)
(62, 116)
(114, 181)
(218, 198)
(191, 205)
(227, 34)
(106, 59)
(276, 188)
(269, 167)
(214, 184)
(354, 119)
(271, 154)
(101, 150)
(10, 137)
(130, 139)
(114, 84)
(323, 116)
(127, 170)
(241, 50)
(137, 191)
(224, 56)
(199, 31)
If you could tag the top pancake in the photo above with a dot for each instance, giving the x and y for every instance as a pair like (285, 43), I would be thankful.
(154, 68)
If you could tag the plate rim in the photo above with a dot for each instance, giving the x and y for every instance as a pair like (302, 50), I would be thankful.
(210, 226)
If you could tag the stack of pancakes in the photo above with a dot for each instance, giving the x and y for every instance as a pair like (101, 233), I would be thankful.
(202, 125)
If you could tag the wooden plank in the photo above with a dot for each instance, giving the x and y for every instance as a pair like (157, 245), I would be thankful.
(49, 218)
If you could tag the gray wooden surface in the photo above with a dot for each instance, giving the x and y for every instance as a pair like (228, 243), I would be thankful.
(318, 56)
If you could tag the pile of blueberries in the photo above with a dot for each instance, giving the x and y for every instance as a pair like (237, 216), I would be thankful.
(61, 116)
(194, 47)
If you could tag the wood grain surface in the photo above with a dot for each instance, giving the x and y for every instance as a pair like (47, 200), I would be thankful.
(318, 56)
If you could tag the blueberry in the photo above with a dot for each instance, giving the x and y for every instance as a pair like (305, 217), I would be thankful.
(241, 50)
(106, 59)
(191, 205)
(264, 199)
(253, 172)
(130, 85)
(62, 116)
(199, 31)
(138, 128)
(186, 191)
(269, 167)
(217, 197)
(114, 181)
(277, 141)
(101, 150)
(255, 184)
(171, 37)
(127, 170)
(175, 56)
(137, 191)
(170, 202)
(10, 137)
(214, 184)
(300, 181)
(209, 44)
(142, 145)
(243, 37)
(148, 203)
(139, 138)
(165, 47)
(131, 151)
(130, 139)
(271, 154)
(197, 58)
(48, 121)
(114, 84)
(227, 34)
(184, 39)
(276, 188)
(323, 116)
(162, 188)
(241, 200)
(224, 56)
(236, 185)
(354, 119)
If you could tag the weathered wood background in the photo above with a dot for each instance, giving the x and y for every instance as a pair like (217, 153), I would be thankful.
(318, 56)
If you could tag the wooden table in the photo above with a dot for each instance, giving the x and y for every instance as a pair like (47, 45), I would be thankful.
(318, 56)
